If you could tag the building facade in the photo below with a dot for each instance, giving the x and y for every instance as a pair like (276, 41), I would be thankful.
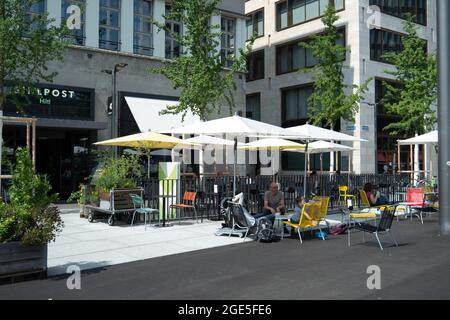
(277, 92)
(74, 111)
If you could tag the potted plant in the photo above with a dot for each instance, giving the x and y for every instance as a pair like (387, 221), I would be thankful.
(28, 222)
(116, 173)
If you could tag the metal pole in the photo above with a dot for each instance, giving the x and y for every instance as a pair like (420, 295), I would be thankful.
(234, 165)
(306, 176)
(443, 9)
(114, 112)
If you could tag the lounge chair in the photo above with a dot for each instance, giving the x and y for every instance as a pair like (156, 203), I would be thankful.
(241, 219)
(314, 211)
(384, 226)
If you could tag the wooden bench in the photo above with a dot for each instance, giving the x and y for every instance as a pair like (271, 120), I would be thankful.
(120, 203)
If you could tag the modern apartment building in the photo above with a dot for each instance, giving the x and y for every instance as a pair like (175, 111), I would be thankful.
(108, 36)
(277, 92)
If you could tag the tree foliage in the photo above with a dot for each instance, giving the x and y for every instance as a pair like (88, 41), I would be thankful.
(416, 72)
(199, 71)
(27, 43)
(331, 100)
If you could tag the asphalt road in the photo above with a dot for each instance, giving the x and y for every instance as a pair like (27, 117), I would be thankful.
(417, 269)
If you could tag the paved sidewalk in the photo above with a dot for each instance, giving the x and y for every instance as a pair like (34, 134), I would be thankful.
(94, 245)
(417, 269)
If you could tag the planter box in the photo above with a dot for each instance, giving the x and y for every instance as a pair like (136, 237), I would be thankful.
(16, 259)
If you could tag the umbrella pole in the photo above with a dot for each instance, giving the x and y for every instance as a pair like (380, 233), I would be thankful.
(148, 165)
(305, 175)
(234, 166)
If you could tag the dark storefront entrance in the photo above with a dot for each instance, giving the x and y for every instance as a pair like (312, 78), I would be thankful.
(64, 155)
(66, 129)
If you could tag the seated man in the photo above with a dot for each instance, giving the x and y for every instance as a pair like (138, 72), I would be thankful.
(273, 203)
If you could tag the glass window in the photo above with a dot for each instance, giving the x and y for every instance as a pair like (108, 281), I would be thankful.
(143, 29)
(255, 66)
(382, 42)
(293, 12)
(292, 57)
(295, 103)
(253, 107)
(228, 45)
(68, 9)
(400, 8)
(255, 24)
(109, 31)
(173, 48)
(298, 11)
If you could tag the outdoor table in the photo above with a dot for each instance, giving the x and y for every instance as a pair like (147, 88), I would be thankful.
(279, 218)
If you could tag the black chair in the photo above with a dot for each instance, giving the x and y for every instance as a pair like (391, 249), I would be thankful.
(384, 226)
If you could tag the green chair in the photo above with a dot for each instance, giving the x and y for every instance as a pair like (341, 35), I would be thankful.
(139, 208)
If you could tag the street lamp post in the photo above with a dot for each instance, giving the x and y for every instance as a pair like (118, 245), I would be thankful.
(115, 105)
(443, 9)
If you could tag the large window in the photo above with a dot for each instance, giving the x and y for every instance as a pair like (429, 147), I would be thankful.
(400, 8)
(255, 24)
(32, 12)
(294, 104)
(228, 43)
(68, 9)
(253, 106)
(293, 12)
(386, 143)
(255, 65)
(143, 31)
(382, 42)
(293, 57)
(109, 32)
(173, 48)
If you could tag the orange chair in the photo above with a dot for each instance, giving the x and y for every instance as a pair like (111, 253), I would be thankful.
(188, 203)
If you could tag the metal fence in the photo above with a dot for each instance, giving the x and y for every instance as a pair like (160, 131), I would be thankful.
(211, 190)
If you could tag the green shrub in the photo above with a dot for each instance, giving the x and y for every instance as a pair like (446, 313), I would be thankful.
(29, 217)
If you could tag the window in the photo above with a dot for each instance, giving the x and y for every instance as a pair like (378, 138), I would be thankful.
(255, 24)
(292, 57)
(173, 48)
(382, 42)
(228, 45)
(255, 66)
(295, 104)
(35, 10)
(109, 32)
(293, 12)
(68, 8)
(143, 31)
(400, 8)
(253, 106)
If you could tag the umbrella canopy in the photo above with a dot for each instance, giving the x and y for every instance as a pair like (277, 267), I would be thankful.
(318, 133)
(150, 140)
(430, 137)
(234, 125)
(272, 143)
(323, 147)
(208, 140)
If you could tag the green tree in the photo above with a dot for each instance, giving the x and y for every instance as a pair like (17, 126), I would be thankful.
(416, 72)
(27, 43)
(199, 71)
(331, 100)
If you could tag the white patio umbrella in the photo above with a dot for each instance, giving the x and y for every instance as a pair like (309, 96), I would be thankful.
(204, 140)
(318, 133)
(271, 144)
(427, 138)
(235, 126)
(430, 138)
(325, 147)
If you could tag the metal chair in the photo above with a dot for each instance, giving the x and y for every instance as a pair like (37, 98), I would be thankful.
(138, 203)
(383, 227)
(343, 195)
(189, 198)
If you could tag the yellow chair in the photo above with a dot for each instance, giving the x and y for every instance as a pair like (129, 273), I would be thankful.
(324, 202)
(343, 195)
(315, 213)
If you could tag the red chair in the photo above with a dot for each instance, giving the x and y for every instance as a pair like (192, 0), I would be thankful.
(416, 200)
(188, 203)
